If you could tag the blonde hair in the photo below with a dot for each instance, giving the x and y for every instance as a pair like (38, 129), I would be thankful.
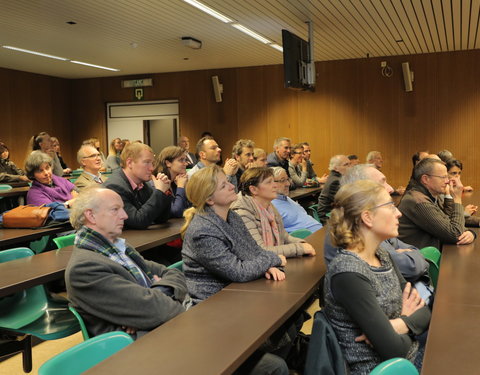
(257, 152)
(345, 219)
(112, 151)
(88, 199)
(200, 187)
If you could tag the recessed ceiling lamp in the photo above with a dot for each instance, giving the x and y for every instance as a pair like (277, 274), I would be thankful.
(59, 58)
(235, 24)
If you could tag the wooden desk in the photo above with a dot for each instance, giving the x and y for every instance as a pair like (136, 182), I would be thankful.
(155, 235)
(15, 192)
(304, 192)
(9, 237)
(217, 335)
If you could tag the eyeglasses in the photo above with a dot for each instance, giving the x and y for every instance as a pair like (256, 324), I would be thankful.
(93, 156)
(390, 205)
(297, 153)
(282, 181)
(446, 177)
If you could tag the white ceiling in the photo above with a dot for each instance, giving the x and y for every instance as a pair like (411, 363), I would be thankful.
(106, 29)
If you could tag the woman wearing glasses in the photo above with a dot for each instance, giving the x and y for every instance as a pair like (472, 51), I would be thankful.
(257, 189)
(173, 161)
(297, 166)
(374, 312)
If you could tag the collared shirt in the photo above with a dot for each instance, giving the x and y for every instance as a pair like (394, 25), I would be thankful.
(96, 178)
(293, 215)
(122, 247)
(133, 184)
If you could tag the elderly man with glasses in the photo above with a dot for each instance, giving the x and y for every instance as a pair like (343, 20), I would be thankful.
(432, 211)
(90, 159)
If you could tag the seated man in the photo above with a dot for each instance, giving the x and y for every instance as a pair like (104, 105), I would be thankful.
(89, 158)
(408, 259)
(375, 158)
(209, 153)
(184, 143)
(338, 166)
(281, 154)
(144, 205)
(353, 159)
(427, 220)
(109, 283)
(293, 215)
(311, 175)
(242, 152)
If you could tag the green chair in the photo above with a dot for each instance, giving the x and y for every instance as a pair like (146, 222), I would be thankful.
(301, 233)
(433, 256)
(38, 246)
(178, 265)
(85, 355)
(31, 313)
(77, 172)
(5, 187)
(395, 366)
(312, 210)
(64, 241)
(83, 327)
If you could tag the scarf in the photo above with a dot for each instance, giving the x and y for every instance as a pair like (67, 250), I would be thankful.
(89, 239)
(270, 234)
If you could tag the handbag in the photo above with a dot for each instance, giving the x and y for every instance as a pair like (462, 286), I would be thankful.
(26, 217)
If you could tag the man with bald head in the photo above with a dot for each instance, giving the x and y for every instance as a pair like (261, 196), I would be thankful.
(338, 166)
(427, 220)
(184, 143)
(90, 159)
(109, 283)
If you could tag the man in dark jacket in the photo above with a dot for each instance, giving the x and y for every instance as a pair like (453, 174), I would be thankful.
(144, 205)
(110, 284)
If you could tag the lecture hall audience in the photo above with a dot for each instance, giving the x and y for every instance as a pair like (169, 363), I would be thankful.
(43, 142)
(90, 159)
(9, 172)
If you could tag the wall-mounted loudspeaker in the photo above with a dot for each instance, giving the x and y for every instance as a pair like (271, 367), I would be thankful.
(407, 77)
(217, 89)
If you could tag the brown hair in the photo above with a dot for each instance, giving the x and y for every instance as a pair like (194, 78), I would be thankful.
(169, 153)
(253, 177)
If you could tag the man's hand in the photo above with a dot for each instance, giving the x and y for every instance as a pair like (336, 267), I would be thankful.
(456, 189)
(230, 167)
(465, 238)
(304, 165)
(161, 182)
(402, 250)
(323, 179)
(471, 209)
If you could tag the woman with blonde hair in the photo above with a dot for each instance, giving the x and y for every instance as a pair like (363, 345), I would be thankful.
(257, 190)
(173, 161)
(114, 151)
(259, 157)
(374, 312)
(218, 249)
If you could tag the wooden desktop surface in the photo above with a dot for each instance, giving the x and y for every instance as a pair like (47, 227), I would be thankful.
(304, 192)
(17, 191)
(9, 237)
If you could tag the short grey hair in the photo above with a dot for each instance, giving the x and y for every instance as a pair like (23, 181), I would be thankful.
(372, 154)
(355, 173)
(445, 155)
(277, 141)
(277, 171)
(335, 162)
(35, 161)
(81, 152)
(240, 144)
(425, 166)
(88, 199)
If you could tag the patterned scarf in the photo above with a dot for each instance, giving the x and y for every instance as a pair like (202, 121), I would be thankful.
(89, 239)
(270, 234)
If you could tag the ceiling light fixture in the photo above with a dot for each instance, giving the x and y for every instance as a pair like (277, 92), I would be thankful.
(94, 66)
(276, 46)
(252, 33)
(36, 53)
(209, 10)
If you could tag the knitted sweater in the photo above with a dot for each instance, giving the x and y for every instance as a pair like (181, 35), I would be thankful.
(327, 195)
(289, 246)
(217, 252)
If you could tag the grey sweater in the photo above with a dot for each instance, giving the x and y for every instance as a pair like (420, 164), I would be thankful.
(217, 252)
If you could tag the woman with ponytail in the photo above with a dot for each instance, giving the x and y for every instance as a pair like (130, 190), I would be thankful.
(374, 312)
(42, 142)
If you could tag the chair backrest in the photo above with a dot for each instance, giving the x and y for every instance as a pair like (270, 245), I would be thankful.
(64, 241)
(312, 210)
(22, 308)
(395, 366)
(83, 327)
(85, 355)
(178, 265)
(301, 233)
(5, 187)
(433, 256)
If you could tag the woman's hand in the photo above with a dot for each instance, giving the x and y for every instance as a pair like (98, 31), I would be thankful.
(283, 259)
(411, 300)
(275, 274)
(308, 249)
(181, 180)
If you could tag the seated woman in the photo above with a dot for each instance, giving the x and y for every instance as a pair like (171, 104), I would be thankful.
(297, 166)
(259, 157)
(43, 142)
(113, 159)
(9, 172)
(218, 250)
(46, 187)
(58, 151)
(257, 189)
(374, 312)
(454, 169)
(173, 161)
